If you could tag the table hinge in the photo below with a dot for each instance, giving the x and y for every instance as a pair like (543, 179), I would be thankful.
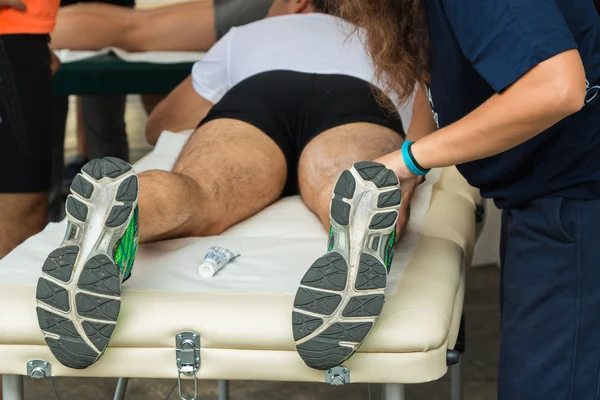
(337, 376)
(39, 369)
(187, 345)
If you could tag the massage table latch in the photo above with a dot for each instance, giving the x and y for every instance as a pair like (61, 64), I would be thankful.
(337, 376)
(187, 345)
(39, 369)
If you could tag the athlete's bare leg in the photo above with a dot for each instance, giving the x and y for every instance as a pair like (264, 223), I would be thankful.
(227, 172)
(330, 153)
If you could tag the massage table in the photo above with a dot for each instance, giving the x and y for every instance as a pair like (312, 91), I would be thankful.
(237, 325)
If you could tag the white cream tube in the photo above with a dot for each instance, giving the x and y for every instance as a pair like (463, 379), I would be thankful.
(216, 258)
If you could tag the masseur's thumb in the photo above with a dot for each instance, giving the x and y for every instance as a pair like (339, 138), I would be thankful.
(16, 4)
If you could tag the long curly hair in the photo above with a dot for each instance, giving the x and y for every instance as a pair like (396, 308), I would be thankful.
(396, 35)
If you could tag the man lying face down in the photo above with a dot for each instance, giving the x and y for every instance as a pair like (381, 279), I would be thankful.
(280, 107)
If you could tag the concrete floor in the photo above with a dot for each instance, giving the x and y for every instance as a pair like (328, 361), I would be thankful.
(480, 360)
(480, 363)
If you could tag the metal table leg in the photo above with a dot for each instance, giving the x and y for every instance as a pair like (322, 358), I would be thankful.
(121, 389)
(223, 390)
(394, 391)
(456, 376)
(12, 387)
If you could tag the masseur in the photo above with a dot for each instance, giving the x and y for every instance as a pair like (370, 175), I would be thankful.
(514, 88)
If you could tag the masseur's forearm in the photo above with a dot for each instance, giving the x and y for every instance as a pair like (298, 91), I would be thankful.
(545, 95)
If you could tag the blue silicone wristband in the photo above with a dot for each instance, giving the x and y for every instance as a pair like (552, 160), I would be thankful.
(408, 160)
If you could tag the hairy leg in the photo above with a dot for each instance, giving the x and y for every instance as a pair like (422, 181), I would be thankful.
(227, 172)
(21, 216)
(330, 153)
(188, 26)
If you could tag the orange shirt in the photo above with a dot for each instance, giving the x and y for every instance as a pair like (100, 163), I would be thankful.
(39, 18)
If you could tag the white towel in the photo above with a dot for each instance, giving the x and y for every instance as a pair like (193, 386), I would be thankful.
(155, 57)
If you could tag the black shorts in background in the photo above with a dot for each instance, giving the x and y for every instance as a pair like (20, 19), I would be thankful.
(292, 108)
(25, 114)
(122, 3)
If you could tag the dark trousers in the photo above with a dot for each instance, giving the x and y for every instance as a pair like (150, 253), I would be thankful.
(550, 255)
(25, 116)
(104, 122)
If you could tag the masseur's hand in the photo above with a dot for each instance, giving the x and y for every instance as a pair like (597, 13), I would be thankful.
(395, 162)
(408, 185)
(16, 4)
(408, 191)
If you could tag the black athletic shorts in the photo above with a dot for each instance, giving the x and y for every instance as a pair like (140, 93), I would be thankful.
(25, 114)
(293, 107)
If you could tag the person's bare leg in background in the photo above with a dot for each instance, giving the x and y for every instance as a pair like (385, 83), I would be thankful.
(189, 26)
(182, 26)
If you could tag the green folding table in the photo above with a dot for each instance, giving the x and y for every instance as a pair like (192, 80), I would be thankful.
(107, 74)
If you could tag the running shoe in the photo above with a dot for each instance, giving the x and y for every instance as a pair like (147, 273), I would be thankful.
(342, 294)
(79, 292)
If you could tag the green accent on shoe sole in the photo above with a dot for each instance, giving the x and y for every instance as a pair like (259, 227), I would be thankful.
(330, 242)
(389, 251)
(126, 248)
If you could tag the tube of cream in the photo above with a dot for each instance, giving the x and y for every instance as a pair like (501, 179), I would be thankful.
(214, 260)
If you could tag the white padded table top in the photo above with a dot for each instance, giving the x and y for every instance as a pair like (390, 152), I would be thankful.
(154, 57)
(243, 315)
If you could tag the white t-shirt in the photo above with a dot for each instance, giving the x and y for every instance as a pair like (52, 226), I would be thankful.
(310, 43)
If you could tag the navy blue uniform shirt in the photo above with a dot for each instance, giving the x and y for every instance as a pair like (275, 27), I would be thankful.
(479, 48)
